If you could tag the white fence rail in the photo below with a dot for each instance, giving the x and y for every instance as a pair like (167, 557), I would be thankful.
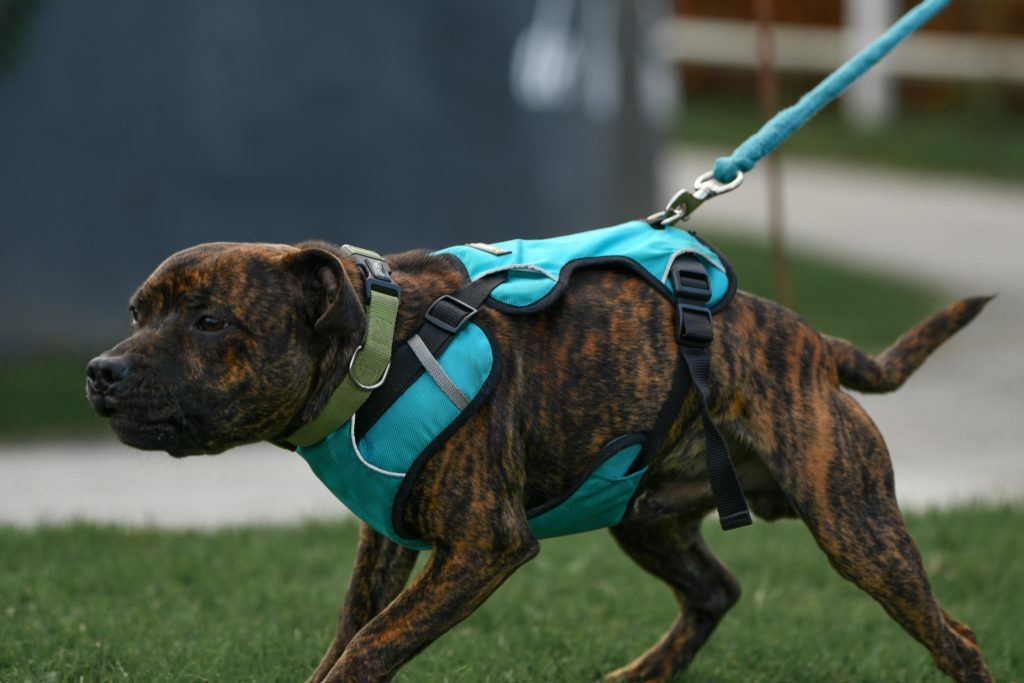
(800, 48)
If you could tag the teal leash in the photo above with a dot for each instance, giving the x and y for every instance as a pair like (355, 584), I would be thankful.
(728, 171)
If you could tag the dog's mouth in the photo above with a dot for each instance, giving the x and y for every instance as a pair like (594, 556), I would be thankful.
(149, 425)
(168, 435)
(145, 415)
(162, 428)
(148, 412)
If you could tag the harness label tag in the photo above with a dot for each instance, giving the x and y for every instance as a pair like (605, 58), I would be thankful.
(490, 249)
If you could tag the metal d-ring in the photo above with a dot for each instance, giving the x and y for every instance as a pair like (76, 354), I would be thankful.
(713, 187)
(366, 387)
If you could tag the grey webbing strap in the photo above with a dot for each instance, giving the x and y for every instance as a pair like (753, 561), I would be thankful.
(440, 377)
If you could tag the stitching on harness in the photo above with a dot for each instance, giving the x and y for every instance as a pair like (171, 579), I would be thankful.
(517, 266)
(355, 447)
(689, 250)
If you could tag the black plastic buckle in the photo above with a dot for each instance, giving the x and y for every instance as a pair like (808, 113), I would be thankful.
(376, 276)
(690, 279)
(388, 286)
(693, 325)
(462, 309)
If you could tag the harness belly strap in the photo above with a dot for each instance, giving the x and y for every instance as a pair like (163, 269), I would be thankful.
(694, 333)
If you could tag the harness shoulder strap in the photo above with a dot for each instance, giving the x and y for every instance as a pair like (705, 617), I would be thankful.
(444, 319)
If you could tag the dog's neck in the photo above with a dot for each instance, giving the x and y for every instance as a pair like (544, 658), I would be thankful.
(422, 277)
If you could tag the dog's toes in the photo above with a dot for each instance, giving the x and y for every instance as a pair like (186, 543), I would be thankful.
(633, 673)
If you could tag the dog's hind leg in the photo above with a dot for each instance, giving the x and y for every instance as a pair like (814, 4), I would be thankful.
(380, 573)
(839, 478)
(672, 549)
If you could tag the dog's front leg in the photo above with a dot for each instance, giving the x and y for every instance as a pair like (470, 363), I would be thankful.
(381, 570)
(455, 582)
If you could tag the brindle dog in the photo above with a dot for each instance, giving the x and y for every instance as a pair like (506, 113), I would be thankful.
(236, 343)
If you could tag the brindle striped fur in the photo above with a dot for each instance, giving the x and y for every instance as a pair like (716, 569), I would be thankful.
(595, 365)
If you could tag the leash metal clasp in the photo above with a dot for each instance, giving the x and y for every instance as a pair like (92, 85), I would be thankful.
(685, 202)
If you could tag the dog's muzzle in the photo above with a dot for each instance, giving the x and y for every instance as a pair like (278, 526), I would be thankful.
(104, 378)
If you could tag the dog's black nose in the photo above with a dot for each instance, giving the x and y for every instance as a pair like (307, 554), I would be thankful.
(105, 372)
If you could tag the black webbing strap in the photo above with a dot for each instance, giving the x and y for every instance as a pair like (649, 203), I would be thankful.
(694, 332)
(442, 321)
(725, 485)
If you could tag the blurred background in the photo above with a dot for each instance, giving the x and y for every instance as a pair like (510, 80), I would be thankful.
(130, 130)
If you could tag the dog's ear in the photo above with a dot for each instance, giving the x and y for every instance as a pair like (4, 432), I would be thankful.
(330, 299)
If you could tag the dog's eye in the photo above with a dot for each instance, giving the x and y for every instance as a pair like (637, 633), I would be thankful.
(209, 323)
(135, 313)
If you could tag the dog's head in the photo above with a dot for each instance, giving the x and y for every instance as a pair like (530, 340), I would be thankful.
(228, 343)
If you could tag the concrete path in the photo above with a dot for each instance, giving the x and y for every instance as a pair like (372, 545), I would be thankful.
(107, 482)
(955, 431)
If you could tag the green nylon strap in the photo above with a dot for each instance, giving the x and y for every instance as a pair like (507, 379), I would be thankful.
(368, 366)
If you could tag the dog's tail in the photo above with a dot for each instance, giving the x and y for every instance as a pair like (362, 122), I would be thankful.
(889, 370)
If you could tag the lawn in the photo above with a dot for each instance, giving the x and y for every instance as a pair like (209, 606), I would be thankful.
(91, 603)
(43, 395)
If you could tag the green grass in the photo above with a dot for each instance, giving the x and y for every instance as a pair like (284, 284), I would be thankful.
(43, 396)
(94, 603)
(982, 142)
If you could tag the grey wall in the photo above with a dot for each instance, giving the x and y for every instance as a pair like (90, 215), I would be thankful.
(129, 130)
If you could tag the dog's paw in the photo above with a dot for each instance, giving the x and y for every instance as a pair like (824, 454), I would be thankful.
(632, 673)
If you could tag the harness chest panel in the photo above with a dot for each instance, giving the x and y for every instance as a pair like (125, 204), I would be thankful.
(367, 475)
(371, 470)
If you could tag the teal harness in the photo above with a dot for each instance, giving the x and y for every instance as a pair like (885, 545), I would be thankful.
(441, 376)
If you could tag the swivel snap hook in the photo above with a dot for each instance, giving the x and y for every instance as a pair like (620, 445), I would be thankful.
(685, 202)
